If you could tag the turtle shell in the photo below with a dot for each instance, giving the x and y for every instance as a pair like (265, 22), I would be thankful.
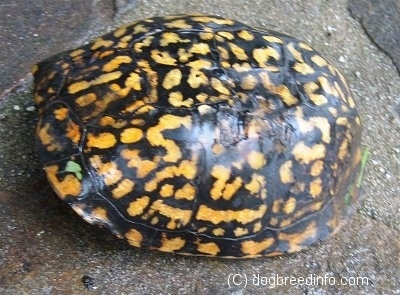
(200, 135)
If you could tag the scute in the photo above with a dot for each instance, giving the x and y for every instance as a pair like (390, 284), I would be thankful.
(199, 135)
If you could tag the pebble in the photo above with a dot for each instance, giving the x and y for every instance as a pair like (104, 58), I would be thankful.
(16, 107)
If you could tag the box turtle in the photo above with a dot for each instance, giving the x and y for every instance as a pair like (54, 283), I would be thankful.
(200, 135)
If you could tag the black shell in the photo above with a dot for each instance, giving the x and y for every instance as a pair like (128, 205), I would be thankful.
(199, 135)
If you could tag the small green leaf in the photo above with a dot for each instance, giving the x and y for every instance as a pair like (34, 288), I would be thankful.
(364, 160)
(75, 168)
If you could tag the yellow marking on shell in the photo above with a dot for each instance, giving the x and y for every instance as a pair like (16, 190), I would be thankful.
(202, 229)
(231, 188)
(286, 222)
(226, 35)
(137, 206)
(206, 36)
(201, 97)
(305, 46)
(109, 170)
(322, 124)
(305, 154)
(154, 220)
(333, 111)
(139, 28)
(100, 42)
(329, 88)
(317, 168)
(273, 39)
(319, 61)
(86, 99)
(243, 67)
(257, 227)
(217, 149)
(131, 135)
(178, 24)
(316, 187)
(102, 79)
(262, 55)
(172, 78)
(167, 190)
(351, 101)
(171, 245)
(289, 206)
(38, 99)
(123, 42)
(120, 32)
(222, 174)
(176, 99)
(200, 48)
(186, 168)
(116, 62)
(248, 82)
(242, 216)
(295, 53)
(187, 192)
(257, 185)
(238, 51)
(138, 122)
(134, 237)
(76, 52)
(61, 114)
(103, 140)
(133, 82)
(162, 57)
(47, 139)
(208, 248)
(183, 55)
(240, 231)
(99, 214)
(318, 99)
(101, 104)
(69, 186)
(219, 86)
(343, 121)
(134, 106)
(143, 167)
(197, 78)
(178, 217)
(168, 122)
(104, 54)
(200, 64)
(138, 46)
(343, 149)
(208, 19)
(276, 206)
(286, 173)
(223, 53)
(297, 239)
(218, 231)
(314, 122)
(282, 90)
(256, 160)
(170, 37)
(303, 68)
(245, 35)
(339, 92)
(123, 188)
(253, 248)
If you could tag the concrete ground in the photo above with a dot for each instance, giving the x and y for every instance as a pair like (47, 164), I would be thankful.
(46, 249)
